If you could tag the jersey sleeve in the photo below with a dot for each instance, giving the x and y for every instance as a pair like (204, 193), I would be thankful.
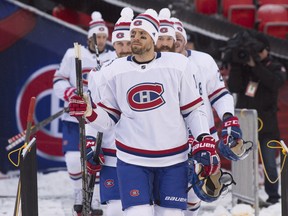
(191, 103)
(107, 91)
(107, 109)
(93, 85)
(61, 79)
(219, 96)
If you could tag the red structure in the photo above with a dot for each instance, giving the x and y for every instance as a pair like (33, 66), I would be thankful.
(243, 15)
(271, 13)
(207, 7)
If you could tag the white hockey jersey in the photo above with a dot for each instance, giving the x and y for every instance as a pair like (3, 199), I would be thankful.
(151, 105)
(211, 87)
(65, 76)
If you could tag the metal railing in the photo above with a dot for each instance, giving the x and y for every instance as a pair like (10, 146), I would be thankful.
(245, 172)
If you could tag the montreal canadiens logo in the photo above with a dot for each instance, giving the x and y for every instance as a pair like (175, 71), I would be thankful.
(164, 30)
(109, 183)
(120, 35)
(180, 29)
(145, 96)
(134, 193)
(40, 85)
(138, 23)
(85, 72)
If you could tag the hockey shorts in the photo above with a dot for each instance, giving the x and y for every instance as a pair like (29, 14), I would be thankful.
(163, 186)
(109, 189)
(71, 138)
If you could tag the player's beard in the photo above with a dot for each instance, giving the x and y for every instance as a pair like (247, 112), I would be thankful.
(139, 50)
(165, 48)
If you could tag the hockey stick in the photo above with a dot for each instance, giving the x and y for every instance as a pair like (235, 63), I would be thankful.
(96, 51)
(78, 66)
(15, 140)
(27, 137)
(93, 177)
(98, 139)
(99, 134)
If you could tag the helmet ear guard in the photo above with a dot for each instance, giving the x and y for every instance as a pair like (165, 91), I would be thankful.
(235, 149)
(209, 188)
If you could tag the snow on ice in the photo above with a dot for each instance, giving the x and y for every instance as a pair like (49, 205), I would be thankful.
(55, 198)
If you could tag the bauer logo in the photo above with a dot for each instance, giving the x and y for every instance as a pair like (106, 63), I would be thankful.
(48, 138)
(145, 96)
(176, 199)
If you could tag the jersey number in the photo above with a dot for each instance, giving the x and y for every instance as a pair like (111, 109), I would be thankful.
(199, 85)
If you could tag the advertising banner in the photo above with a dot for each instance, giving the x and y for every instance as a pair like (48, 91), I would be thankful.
(31, 47)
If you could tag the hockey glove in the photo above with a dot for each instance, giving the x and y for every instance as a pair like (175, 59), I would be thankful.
(93, 166)
(205, 155)
(231, 145)
(231, 128)
(79, 107)
(69, 92)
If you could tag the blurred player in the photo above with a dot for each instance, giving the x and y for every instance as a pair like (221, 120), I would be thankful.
(109, 189)
(212, 89)
(64, 86)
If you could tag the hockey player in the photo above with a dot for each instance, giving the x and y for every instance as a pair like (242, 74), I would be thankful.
(167, 38)
(212, 89)
(64, 86)
(149, 98)
(205, 82)
(109, 189)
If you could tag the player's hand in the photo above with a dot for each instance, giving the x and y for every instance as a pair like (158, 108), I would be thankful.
(69, 92)
(93, 166)
(231, 145)
(204, 154)
(231, 129)
(79, 107)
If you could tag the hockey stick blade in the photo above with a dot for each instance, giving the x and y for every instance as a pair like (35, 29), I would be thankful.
(15, 140)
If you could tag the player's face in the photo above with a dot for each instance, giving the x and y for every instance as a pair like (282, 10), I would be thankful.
(101, 42)
(122, 48)
(180, 43)
(141, 42)
(165, 44)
